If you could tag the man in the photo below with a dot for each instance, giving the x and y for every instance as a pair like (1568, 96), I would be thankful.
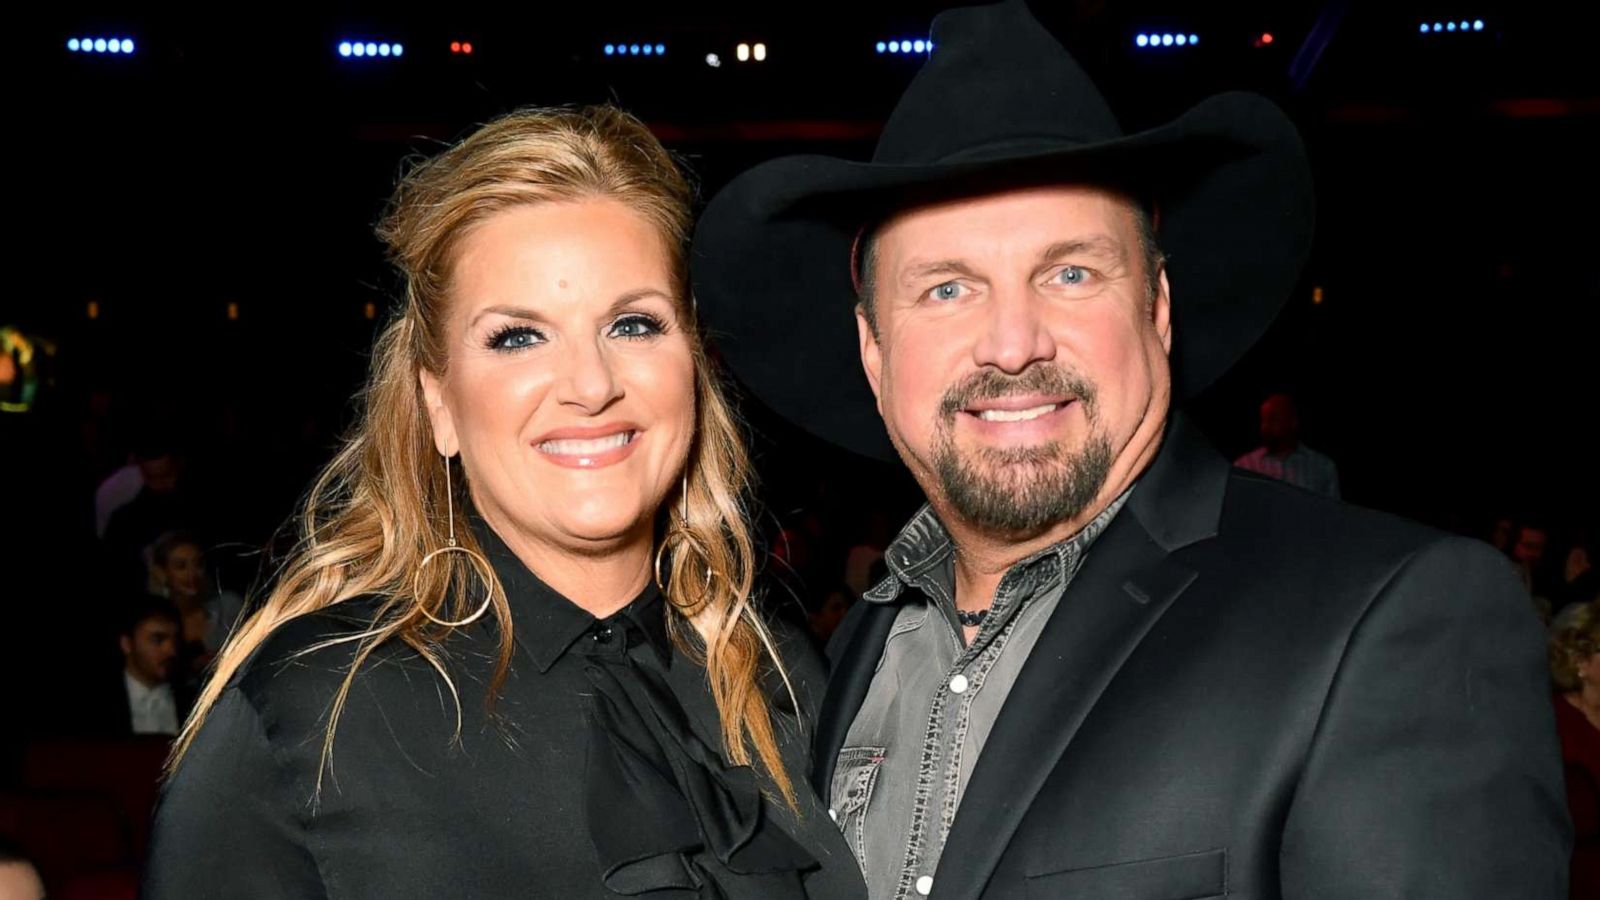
(1282, 455)
(162, 504)
(1105, 664)
(149, 642)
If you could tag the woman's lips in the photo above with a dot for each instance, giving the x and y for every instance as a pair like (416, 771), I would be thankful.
(589, 448)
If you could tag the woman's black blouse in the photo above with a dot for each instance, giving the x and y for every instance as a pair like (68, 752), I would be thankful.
(598, 773)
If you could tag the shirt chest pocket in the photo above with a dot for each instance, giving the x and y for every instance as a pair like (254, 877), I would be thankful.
(1192, 876)
(854, 777)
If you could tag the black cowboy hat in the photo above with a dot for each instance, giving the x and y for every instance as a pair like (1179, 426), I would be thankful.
(999, 98)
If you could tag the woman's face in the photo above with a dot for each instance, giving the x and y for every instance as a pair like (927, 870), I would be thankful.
(183, 571)
(1589, 668)
(569, 389)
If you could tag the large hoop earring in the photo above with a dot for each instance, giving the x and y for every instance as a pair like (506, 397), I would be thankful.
(687, 535)
(451, 547)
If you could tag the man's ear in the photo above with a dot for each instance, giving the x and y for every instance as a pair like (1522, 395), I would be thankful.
(1161, 309)
(871, 353)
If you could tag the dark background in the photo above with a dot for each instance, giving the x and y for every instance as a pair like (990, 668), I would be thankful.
(236, 158)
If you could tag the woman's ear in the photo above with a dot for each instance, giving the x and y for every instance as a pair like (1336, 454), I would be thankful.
(444, 428)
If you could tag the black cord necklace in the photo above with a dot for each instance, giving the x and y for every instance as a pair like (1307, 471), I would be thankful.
(972, 619)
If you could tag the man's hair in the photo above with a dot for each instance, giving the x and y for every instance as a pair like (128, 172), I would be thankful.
(866, 260)
(162, 549)
(143, 609)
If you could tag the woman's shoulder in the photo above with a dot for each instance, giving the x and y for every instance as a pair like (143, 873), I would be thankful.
(304, 661)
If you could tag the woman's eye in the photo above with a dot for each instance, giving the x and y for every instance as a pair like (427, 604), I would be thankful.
(636, 326)
(515, 337)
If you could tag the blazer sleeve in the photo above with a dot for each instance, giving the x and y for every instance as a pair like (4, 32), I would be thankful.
(229, 823)
(1435, 770)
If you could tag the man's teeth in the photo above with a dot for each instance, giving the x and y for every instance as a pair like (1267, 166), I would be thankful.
(1017, 415)
(586, 448)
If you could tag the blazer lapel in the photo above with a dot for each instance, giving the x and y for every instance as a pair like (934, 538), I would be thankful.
(1127, 583)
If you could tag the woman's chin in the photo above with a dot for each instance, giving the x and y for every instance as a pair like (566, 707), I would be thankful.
(604, 528)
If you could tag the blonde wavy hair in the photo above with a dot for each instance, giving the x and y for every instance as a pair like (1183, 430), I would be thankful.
(1575, 640)
(379, 506)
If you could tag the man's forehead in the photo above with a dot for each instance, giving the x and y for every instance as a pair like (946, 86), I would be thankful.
(1031, 220)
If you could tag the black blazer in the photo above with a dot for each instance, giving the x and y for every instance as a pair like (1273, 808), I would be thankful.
(103, 710)
(1252, 691)
(599, 771)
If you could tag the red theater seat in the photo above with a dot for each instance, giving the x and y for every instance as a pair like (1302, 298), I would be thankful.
(127, 770)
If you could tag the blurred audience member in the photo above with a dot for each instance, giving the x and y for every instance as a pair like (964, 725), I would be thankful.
(1528, 552)
(179, 573)
(19, 879)
(162, 505)
(147, 699)
(1283, 457)
(116, 491)
(830, 612)
(1500, 536)
(1575, 669)
(860, 558)
(1580, 583)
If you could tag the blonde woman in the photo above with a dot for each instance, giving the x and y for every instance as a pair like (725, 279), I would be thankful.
(516, 654)
(1575, 669)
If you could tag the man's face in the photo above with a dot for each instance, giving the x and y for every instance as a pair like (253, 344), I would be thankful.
(1279, 421)
(160, 474)
(150, 650)
(1529, 550)
(1020, 355)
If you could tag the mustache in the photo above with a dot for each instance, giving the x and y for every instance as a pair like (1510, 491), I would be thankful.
(991, 384)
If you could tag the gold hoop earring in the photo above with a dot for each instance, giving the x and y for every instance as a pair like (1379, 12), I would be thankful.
(451, 547)
(681, 530)
(663, 549)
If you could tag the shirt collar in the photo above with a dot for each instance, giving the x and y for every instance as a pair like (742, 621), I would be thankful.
(546, 624)
(923, 549)
(140, 690)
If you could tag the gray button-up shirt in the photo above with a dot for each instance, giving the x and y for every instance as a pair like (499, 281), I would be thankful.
(913, 745)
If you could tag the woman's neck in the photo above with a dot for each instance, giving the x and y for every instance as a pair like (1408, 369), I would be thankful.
(1587, 701)
(601, 579)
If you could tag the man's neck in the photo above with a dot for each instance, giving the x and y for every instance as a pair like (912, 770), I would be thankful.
(1283, 449)
(141, 679)
(982, 557)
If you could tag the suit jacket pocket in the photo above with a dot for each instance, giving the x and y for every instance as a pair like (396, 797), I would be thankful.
(1192, 876)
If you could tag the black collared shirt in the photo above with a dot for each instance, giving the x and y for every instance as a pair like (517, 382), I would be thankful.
(408, 808)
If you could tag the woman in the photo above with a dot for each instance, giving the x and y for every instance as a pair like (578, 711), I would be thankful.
(178, 572)
(466, 682)
(1575, 666)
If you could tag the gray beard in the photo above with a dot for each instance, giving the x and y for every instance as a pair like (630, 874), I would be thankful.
(1022, 489)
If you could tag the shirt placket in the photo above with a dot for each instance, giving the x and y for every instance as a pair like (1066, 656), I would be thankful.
(939, 771)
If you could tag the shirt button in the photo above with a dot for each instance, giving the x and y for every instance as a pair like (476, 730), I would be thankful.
(925, 885)
(833, 814)
(603, 634)
(959, 684)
